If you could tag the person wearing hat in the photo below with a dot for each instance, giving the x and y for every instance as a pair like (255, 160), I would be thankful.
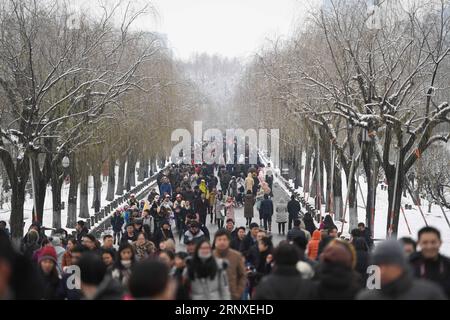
(285, 282)
(396, 279)
(336, 278)
(194, 233)
(47, 262)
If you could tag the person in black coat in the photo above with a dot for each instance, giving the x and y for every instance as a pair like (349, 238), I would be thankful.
(19, 277)
(266, 212)
(366, 234)
(250, 239)
(201, 207)
(96, 284)
(362, 258)
(285, 282)
(295, 232)
(47, 263)
(396, 279)
(236, 242)
(117, 222)
(82, 231)
(429, 263)
(164, 233)
(310, 226)
(129, 236)
(293, 208)
(335, 277)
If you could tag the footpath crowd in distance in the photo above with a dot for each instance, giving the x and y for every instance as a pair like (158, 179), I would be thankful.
(139, 259)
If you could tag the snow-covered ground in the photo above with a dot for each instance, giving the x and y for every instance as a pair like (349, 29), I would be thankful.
(48, 206)
(414, 217)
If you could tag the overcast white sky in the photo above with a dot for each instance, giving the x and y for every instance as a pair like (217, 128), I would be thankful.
(233, 28)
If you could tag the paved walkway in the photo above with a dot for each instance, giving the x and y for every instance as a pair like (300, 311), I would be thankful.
(278, 193)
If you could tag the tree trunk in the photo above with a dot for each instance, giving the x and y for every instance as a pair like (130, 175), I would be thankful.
(121, 177)
(18, 175)
(352, 199)
(41, 180)
(56, 182)
(97, 201)
(371, 170)
(111, 179)
(146, 168)
(338, 204)
(313, 187)
(307, 179)
(394, 206)
(131, 170)
(143, 167)
(84, 189)
(73, 194)
(96, 167)
(17, 203)
(299, 166)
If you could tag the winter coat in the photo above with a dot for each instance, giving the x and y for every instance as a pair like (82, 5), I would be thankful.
(282, 215)
(366, 234)
(219, 206)
(336, 282)
(362, 257)
(165, 187)
(295, 232)
(121, 273)
(126, 238)
(236, 244)
(285, 283)
(201, 206)
(313, 245)
(229, 206)
(303, 228)
(64, 292)
(212, 198)
(210, 289)
(309, 223)
(60, 251)
(117, 222)
(52, 283)
(266, 209)
(109, 289)
(204, 189)
(293, 208)
(247, 243)
(405, 288)
(144, 250)
(437, 271)
(79, 235)
(188, 236)
(237, 277)
(163, 235)
(249, 202)
(249, 182)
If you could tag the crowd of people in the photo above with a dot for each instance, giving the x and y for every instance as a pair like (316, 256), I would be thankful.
(139, 258)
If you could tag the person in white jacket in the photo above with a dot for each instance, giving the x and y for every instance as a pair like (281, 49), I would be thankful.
(206, 275)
